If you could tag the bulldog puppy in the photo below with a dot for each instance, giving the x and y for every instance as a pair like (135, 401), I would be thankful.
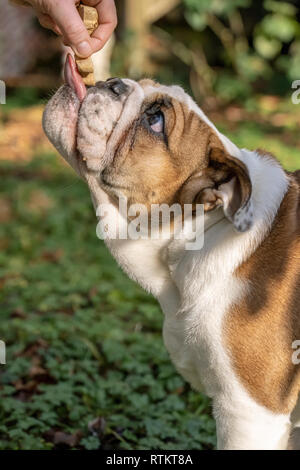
(231, 308)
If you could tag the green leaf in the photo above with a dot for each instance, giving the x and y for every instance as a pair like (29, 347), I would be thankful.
(280, 7)
(279, 26)
(196, 20)
(267, 47)
(90, 443)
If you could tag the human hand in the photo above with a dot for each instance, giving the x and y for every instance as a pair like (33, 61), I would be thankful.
(62, 17)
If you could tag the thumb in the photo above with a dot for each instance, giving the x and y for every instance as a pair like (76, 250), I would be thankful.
(66, 16)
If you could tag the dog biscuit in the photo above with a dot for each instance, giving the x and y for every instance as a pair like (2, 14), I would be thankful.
(85, 67)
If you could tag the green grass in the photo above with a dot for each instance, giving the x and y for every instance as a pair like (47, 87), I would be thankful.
(83, 341)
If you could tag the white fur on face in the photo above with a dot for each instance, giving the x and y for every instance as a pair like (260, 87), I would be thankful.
(98, 116)
(60, 124)
(93, 129)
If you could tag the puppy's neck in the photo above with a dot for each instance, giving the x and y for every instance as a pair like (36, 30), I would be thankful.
(213, 218)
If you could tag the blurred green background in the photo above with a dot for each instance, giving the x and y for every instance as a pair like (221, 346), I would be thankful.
(86, 366)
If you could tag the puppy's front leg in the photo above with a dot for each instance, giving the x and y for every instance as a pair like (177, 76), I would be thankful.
(249, 426)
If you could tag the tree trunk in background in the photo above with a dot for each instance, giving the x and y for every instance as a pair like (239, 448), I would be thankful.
(138, 16)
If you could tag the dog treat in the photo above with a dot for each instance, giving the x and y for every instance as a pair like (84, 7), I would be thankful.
(85, 67)
(89, 16)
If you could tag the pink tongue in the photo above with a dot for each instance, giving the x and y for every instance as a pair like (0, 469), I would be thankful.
(73, 78)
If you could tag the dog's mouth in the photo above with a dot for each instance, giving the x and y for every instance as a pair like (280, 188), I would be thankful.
(74, 79)
(87, 123)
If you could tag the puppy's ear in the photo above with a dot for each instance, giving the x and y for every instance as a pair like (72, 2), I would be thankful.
(224, 182)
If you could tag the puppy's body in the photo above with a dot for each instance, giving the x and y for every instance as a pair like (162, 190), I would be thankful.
(232, 308)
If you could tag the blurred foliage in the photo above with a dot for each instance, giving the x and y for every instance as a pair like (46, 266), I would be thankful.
(22, 97)
(244, 46)
(219, 50)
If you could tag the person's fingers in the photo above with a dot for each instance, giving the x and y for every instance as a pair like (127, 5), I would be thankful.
(47, 22)
(107, 22)
(66, 16)
(67, 22)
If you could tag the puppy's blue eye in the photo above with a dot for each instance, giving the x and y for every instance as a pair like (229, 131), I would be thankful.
(156, 122)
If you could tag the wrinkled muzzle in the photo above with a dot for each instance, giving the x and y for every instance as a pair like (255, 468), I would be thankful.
(86, 125)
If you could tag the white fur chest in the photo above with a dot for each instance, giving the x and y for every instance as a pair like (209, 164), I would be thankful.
(194, 337)
(207, 288)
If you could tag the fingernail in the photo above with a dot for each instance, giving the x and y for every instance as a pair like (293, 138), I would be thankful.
(84, 49)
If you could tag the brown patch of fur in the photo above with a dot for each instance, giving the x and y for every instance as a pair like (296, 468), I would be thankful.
(260, 330)
(203, 187)
(151, 170)
(146, 82)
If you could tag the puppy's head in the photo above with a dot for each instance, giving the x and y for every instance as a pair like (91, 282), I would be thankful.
(149, 143)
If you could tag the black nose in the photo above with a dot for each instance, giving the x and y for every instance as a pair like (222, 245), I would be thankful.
(115, 86)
